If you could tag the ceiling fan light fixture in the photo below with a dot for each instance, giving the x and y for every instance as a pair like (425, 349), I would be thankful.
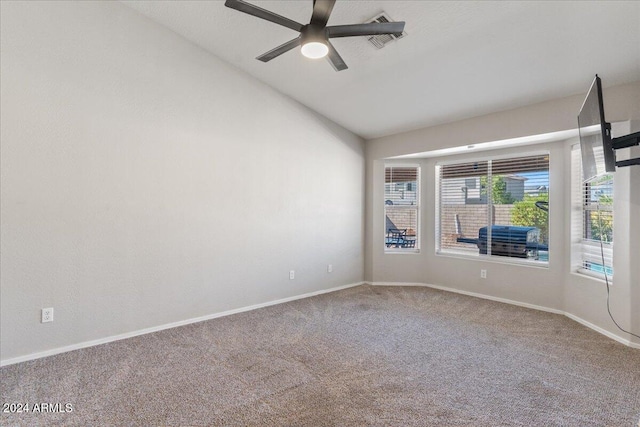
(314, 42)
(314, 50)
(314, 37)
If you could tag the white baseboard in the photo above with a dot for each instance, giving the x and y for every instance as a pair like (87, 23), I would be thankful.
(132, 334)
(602, 331)
(521, 304)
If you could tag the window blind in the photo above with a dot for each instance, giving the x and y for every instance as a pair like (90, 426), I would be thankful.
(591, 221)
(494, 207)
(402, 207)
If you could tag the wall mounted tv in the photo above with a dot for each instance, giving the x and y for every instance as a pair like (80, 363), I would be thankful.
(596, 144)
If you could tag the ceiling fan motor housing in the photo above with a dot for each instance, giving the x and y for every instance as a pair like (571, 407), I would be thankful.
(313, 33)
(314, 37)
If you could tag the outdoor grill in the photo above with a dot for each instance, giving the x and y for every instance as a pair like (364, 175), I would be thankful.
(509, 240)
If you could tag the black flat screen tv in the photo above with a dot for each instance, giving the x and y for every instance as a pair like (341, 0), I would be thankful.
(596, 146)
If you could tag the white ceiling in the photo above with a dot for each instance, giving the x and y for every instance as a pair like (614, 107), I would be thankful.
(460, 59)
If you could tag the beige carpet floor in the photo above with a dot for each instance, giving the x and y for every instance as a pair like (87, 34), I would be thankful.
(398, 356)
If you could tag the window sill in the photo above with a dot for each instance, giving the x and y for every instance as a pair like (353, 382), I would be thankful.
(495, 259)
(588, 274)
(401, 251)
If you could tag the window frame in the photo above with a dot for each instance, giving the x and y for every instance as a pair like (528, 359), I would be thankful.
(479, 158)
(581, 205)
(417, 207)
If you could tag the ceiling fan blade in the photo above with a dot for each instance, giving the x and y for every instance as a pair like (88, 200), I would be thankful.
(286, 47)
(321, 11)
(335, 59)
(370, 29)
(259, 12)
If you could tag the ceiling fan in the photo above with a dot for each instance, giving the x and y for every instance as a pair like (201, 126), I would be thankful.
(314, 37)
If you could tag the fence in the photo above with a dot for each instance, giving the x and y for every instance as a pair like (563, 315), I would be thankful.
(402, 218)
(470, 219)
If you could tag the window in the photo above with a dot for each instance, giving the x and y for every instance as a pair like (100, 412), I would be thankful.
(591, 221)
(497, 207)
(401, 208)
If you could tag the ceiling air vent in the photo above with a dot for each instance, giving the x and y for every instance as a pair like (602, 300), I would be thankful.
(381, 41)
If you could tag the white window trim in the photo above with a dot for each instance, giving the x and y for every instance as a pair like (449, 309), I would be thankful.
(483, 158)
(417, 207)
(579, 242)
(479, 257)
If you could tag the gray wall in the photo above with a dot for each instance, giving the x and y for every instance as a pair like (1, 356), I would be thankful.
(146, 182)
(634, 301)
(555, 287)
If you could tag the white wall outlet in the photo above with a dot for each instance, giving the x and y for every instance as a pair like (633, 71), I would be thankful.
(483, 274)
(47, 315)
(292, 274)
(330, 268)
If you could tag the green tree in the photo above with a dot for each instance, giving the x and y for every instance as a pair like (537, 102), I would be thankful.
(499, 193)
(601, 221)
(526, 213)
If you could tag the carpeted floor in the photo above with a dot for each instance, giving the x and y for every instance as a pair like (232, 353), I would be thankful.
(398, 356)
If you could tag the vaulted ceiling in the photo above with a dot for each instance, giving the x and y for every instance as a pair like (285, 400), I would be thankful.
(459, 59)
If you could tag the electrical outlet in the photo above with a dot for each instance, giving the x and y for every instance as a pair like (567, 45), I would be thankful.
(329, 268)
(292, 274)
(483, 274)
(47, 315)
